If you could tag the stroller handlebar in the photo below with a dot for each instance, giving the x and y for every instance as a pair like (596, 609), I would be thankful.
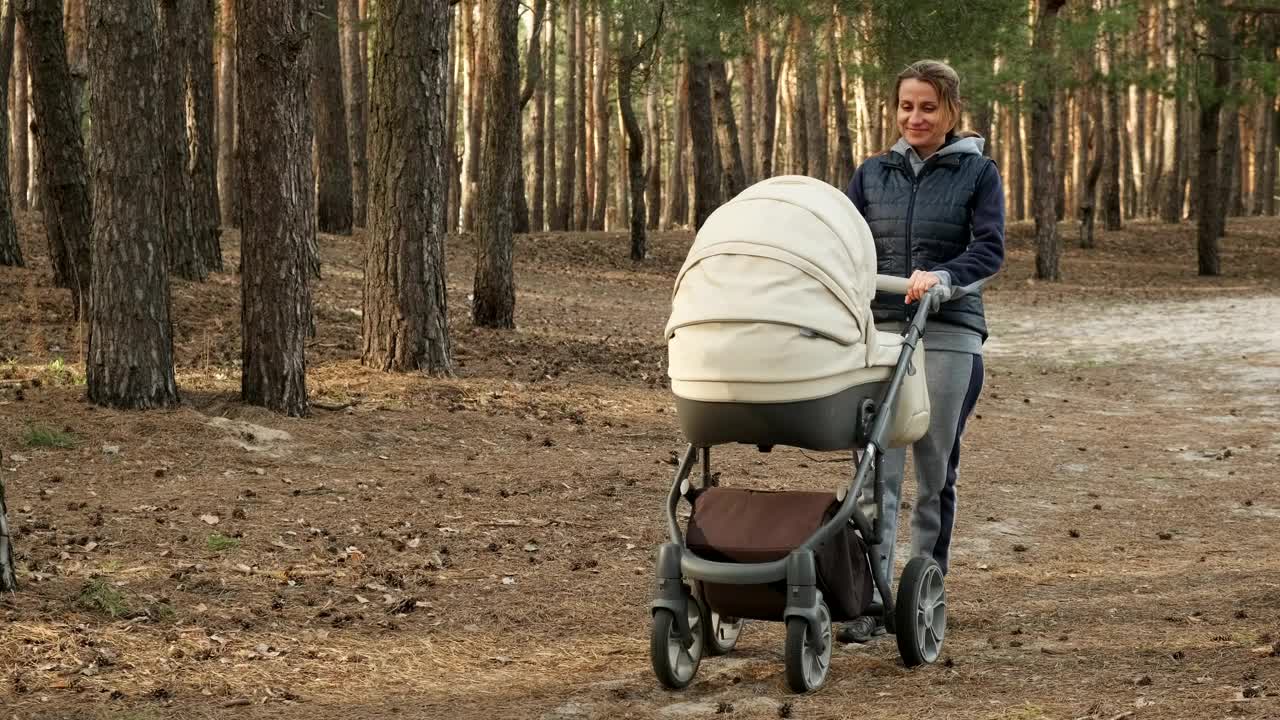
(899, 286)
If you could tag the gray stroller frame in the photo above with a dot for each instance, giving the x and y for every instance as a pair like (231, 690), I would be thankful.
(684, 628)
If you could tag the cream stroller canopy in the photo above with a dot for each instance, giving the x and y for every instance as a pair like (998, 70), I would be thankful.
(773, 302)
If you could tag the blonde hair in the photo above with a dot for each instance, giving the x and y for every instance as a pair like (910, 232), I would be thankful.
(945, 81)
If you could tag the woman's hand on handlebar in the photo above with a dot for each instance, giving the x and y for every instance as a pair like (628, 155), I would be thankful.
(920, 282)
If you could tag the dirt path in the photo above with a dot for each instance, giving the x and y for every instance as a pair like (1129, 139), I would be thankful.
(481, 546)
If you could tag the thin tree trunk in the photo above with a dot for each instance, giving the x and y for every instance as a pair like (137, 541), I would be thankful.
(68, 213)
(539, 142)
(627, 60)
(21, 178)
(1042, 117)
(1112, 147)
(568, 161)
(1208, 230)
(843, 168)
(675, 209)
(1094, 146)
(1264, 182)
(201, 117)
(653, 199)
(453, 162)
(706, 180)
(474, 114)
(130, 360)
(75, 25)
(185, 259)
(405, 319)
(354, 90)
(601, 97)
(1170, 191)
(727, 129)
(551, 139)
(228, 157)
(10, 251)
(766, 103)
(274, 67)
(581, 202)
(8, 575)
(747, 128)
(494, 289)
(1062, 149)
(1230, 162)
(520, 218)
(334, 209)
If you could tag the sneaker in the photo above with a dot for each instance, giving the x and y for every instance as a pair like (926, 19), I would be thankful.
(861, 629)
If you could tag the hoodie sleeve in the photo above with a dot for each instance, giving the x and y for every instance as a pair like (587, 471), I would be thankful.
(985, 255)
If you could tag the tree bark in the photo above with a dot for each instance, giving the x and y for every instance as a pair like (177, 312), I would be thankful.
(815, 127)
(405, 323)
(766, 103)
(520, 218)
(354, 91)
(1044, 194)
(130, 360)
(76, 27)
(1208, 230)
(675, 209)
(581, 201)
(453, 162)
(747, 128)
(8, 574)
(653, 116)
(550, 139)
(568, 161)
(201, 117)
(844, 167)
(1094, 145)
(334, 210)
(537, 200)
(1170, 191)
(1264, 201)
(601, 97)
(10, 251)
(494, 292)
(727, 129)
(228, 150)
(185, 259)
(69, 210)
(1112, 147)
(21, 178)
(706, 178)
(627, 61)
(274, 67)
(1229, 160)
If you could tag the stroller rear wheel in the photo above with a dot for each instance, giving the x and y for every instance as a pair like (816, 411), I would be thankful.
(721, 631)
(806, 667)
(673, 663)
(921, 612)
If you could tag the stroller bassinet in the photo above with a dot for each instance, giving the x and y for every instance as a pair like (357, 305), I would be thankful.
(771, 342)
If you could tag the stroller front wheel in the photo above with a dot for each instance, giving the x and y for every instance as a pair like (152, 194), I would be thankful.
(673, 663)
(921, 612)
(806, 667)
(722, 631)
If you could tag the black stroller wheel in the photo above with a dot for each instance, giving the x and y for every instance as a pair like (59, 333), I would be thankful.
(721, 632)
(806, 667)
(921, 612)
(673, 663)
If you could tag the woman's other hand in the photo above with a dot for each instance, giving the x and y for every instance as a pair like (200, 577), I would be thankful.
(920, 282)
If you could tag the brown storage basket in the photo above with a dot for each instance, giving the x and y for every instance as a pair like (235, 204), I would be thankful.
(754, 526)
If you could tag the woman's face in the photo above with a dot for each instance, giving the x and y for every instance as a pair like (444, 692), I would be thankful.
(922, 118)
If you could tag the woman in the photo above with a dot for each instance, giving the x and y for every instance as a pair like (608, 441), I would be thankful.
(936, 208)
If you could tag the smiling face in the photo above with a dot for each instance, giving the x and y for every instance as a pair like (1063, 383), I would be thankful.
(922, 117)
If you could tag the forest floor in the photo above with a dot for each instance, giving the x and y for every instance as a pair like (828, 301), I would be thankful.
(481, 546)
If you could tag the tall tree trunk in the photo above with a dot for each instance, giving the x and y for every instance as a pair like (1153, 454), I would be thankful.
(1062, 150)
(627, 61)
(601, 97)
(747, 128)
(1212, 94)
(21, 178)
(1170, 192)
(202, 113)
(274, 66)
(1094, 146)
(581, 202)
(1112, 147)
(676, 208)
(844, 167)
(10, 251)
(455, 97)
(653, 115)
(75, 25)
(706, 179)
(130, 360)
(354, 90)
(68, 213)
(185, 259)
(405, 325)
(568, 161)
(551, 140)
(1229, 162)
(537, 200)
(815, 128)
(333, 156)
(520, 218)
(727, 129)
(228, 155)
(1042, 117)
(1264, 183)
(766, 103)
(494, 291)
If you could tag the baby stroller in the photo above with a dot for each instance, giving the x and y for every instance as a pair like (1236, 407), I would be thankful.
(771, 342)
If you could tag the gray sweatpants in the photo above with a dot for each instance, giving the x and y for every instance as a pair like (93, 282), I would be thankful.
(955, 380)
